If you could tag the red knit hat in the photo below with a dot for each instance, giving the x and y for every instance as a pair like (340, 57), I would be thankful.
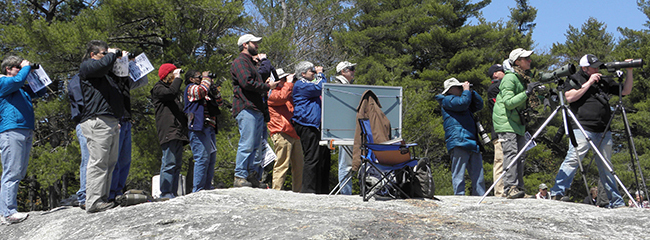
(165, 69)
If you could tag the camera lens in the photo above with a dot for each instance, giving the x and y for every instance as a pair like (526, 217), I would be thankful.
(212, 75)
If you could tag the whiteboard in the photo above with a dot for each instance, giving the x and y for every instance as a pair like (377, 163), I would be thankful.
(339, 109)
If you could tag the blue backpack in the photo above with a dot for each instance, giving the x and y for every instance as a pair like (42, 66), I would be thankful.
(76, 98)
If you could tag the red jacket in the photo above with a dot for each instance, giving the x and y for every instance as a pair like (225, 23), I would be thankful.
(281, 110)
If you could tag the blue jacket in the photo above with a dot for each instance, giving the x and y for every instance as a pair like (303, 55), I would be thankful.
(460, 128)
(307, 101)
(16, 109)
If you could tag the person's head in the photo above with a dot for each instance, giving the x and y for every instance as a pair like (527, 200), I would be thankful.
(346, 69)
(11, 65)
(192, 76)
(590, 64)
(639, 196)
(305, 70)
(248, 43)
(520, 57)
(165, 72)
(496, 72)
(453, 87)
(594, 192)
(96, 49)
(543, 189)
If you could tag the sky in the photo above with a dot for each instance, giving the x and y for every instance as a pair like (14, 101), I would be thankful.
(554, 17)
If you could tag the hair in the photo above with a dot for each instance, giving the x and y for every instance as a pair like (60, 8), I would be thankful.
(593, 190)
(95, 46)
(303, 67)
(640, 193)
(189, 74)
(241, 47)
(169, 78)
(10, 61)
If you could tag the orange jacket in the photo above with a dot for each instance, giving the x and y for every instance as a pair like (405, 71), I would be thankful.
(281, 110)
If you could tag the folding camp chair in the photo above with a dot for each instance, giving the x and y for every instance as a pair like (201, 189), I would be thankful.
(385, 159)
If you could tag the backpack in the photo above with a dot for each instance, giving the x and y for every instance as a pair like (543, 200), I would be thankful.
(76, 98)
(422, 182)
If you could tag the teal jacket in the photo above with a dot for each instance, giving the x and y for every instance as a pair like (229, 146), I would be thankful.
(510, 101)
(16, 109)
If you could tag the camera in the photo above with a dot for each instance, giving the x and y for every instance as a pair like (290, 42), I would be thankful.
(131, 55)
(212, 75)
(35, 65)
(485, 139)
(612, 66)
(563, 71)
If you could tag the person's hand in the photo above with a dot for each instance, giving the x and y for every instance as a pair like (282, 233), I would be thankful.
(290, 78)
(125, 53)
(465, 85)
(594, 78)
(319, 69)
(272, 84)
(261, 56)
(177, 73)
(24, 63)
(532, 86)
(205, 73)
(629, 60)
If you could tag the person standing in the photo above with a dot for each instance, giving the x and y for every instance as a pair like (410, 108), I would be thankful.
(515, 87)
(345, 75)
(171, 124)
(496, 73)
(589, 101)
(458, 104)
(285, 139)
(100, 122)
(249, 109)
(16, 133)
(306, 117)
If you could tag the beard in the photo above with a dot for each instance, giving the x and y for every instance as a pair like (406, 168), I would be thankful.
(252, 51)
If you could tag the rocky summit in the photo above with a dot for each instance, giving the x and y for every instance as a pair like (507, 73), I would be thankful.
(246, 213)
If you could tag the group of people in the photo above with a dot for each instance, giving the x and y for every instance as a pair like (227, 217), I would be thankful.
(508, 98)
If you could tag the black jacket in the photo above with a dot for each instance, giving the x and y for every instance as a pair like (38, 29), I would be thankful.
(171, 122)
(592, 109)
(101, 95)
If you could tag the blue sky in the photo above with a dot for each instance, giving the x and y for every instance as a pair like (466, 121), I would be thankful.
(554, 17)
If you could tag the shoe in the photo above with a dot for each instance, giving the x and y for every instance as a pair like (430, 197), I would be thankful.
(514, 192)
(263, 186)
(559, 197)
(82, 206)
(252, 178)
(240, 182)
(100, 207)
(16, 218)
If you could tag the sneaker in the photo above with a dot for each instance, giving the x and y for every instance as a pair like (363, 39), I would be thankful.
(100, 207)
(16, 218)
(240, 182)
(514, 192)
(252, 178)
(264, 186)
(82, 206)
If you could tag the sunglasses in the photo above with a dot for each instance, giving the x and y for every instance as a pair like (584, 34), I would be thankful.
(19, 67)
(312, 70)
(351, 68)
(103, 53)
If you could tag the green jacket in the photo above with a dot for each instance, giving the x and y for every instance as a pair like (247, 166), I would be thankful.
(510, 101)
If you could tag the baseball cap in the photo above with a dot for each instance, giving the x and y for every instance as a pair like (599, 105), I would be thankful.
(519, 53)
(248, 38)
(543, 186)
(452, 82)
(494, 68)
(590, 61)
(343, 65)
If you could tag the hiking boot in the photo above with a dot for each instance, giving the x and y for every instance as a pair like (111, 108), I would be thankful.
(252, 178)
(82, 206)
(559, 197)
(100, 207)
(16, 218)
(514, 192)
(240, 182)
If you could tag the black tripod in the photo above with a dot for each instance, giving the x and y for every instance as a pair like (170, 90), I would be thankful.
(566, 113)
(632, 148)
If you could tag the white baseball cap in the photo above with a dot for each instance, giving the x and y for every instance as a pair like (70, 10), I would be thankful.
(248, 38)
(590, 61)
(519, 53)
(343, 65)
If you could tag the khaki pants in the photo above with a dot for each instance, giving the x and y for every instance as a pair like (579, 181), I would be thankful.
(498, 167)
(103, 135)
(289, 152)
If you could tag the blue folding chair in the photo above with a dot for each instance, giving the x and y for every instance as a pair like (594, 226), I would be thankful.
(383, 159)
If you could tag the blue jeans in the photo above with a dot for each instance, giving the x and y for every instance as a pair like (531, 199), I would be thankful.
(462, 159)
(569, 167)
(170, 169)
(15, 145)
(83, 148)
(251, 127)
(204, 150)
(121, 171)
(345, 165)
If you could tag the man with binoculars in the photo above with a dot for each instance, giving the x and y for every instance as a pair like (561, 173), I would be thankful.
(584, 96)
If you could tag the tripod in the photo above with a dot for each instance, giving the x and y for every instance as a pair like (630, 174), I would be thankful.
(632, 148)
(566, 112)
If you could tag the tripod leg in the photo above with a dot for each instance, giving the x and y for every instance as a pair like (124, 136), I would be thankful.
(633, 153)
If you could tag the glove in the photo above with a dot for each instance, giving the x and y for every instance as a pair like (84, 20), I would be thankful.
(532, 86)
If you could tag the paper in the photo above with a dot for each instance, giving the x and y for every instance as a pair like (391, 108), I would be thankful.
(38, 79)
(121, 67)
(267, 152)
(532, 143)
(140, 67)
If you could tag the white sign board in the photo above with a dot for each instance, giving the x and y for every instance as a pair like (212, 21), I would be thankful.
(38, 79)
(140, 67)
(121, 66)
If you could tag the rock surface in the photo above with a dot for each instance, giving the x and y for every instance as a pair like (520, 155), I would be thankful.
(246, 213)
